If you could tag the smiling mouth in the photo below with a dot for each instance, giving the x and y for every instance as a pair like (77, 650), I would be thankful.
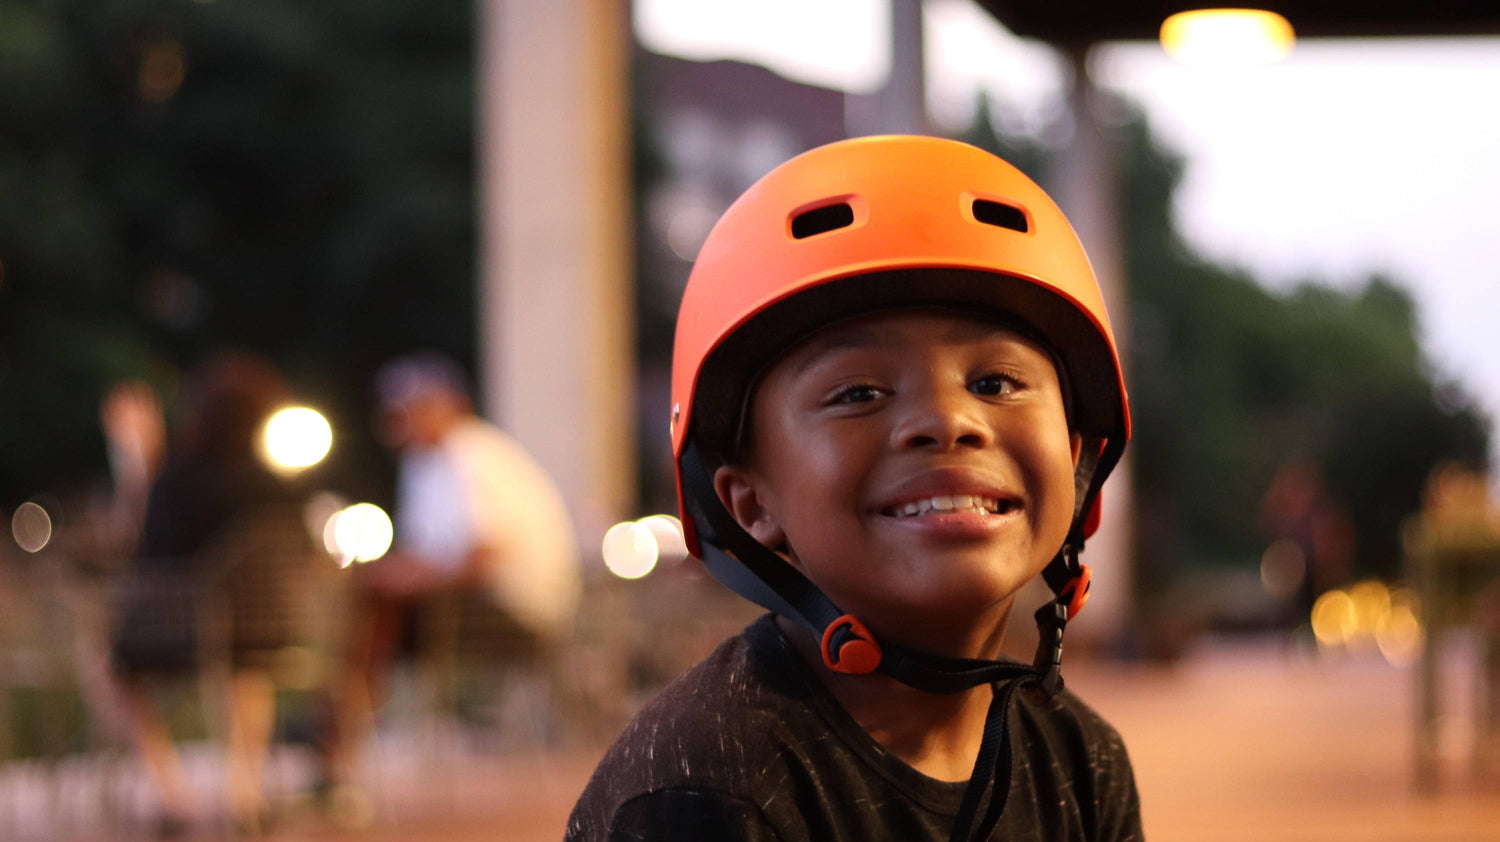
(960, 503)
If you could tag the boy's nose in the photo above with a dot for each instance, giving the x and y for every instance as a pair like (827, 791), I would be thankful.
(942, 419)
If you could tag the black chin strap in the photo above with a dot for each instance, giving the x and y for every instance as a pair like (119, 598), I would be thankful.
(753, 571)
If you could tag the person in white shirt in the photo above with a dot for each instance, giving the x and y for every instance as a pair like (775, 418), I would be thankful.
(474, 510)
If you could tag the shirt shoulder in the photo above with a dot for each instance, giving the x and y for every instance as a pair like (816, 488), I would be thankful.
(1071, 756)
(705, 740)
(704, 727)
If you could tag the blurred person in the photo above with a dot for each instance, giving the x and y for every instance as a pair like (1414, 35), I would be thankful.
(475, 514)
(1459, 513)
(1311, 532)
(135, 437)
(1453, 547)
(134, 428)
(210, 483)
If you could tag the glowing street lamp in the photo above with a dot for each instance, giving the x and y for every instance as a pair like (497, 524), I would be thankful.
(1227, 37)
(295, 438)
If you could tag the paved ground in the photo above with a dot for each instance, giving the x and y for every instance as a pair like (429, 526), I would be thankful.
(1237, 742)
(1243, 743)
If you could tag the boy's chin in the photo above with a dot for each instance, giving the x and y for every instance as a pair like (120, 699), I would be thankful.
(955, 628)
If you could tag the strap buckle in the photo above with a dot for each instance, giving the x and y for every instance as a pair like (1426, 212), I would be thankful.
(1051, 619)
(849, 648)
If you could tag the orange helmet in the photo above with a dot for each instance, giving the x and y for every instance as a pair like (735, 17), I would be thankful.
(880, 222)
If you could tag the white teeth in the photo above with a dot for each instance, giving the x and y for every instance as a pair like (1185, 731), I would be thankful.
(942, 503)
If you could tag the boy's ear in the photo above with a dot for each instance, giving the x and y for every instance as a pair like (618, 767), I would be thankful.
(737, 490)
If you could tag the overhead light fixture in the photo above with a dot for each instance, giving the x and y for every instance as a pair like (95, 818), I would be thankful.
(1227, 37)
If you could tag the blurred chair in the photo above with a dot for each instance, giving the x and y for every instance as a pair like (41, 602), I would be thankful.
(1453, 555)
(485, 672)
(270, 587)
(270, 618)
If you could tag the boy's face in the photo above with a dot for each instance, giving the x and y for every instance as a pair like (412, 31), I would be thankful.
(916, 465)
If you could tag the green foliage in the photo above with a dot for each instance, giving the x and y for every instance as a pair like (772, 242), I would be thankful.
(292, 177)
(1230, 381)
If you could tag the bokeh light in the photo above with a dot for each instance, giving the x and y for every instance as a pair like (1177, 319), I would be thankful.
(362, 532)
(1372, 606)
(1227, 37)
(31, 527)
(1282, 568)
(163, 67)
(1333, 618)
(688, 229)
(630, 550)
(1370, 615)
(667, 530)
(1400, 637)
(295, 438)
(321, 508)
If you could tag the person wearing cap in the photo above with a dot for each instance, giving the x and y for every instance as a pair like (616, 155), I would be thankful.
(895, 398)
(474, 513)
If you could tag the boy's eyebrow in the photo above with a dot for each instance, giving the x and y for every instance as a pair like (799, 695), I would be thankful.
(853, 339)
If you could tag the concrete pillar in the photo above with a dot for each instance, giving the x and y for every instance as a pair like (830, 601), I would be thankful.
(900, 106)
(1086, 185)
(555, 323)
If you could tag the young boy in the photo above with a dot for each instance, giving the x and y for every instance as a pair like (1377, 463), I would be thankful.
(896, 396)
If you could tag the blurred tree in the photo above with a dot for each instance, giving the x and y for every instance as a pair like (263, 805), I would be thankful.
(292, 177)
(1231, 381)
(1028, 154)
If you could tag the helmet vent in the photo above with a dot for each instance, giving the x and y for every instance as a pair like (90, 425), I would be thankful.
(822, 220)
(1000, 215)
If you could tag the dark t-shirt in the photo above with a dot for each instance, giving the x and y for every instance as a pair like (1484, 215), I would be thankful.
(748, 745)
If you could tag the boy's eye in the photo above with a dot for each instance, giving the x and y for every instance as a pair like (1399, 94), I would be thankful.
(994, 385)
(858, 393)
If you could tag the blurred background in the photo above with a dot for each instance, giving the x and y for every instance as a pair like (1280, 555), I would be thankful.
(1295, 622)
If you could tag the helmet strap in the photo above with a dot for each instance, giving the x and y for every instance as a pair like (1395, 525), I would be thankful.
(760, 575)
(753, 571)
(1052, 618)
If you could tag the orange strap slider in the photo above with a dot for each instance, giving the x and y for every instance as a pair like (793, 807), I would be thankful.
(849, 648)
(1080, 590)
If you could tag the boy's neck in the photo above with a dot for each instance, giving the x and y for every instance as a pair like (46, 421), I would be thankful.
(937, 734)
